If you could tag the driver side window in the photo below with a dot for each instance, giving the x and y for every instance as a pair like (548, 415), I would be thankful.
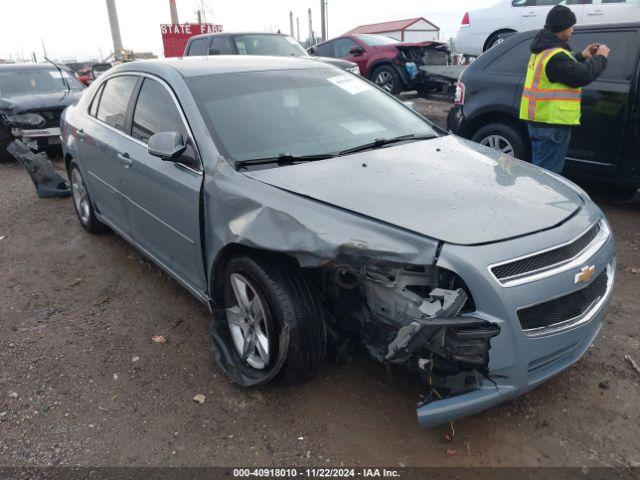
(343, 46)
(155, 112)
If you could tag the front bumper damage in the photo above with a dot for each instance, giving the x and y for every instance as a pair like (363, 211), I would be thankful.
(48, 182)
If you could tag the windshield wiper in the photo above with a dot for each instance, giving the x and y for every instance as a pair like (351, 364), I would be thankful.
(64, 80)
(283, 159)
(382, 142)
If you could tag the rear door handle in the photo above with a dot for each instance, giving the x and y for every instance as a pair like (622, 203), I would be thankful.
(530, 14)
(81, 133)
(596, 13)
(125, 160)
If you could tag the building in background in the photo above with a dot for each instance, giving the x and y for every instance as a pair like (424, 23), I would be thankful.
(412, 30)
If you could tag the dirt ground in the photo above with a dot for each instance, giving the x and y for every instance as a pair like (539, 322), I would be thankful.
(82, 382)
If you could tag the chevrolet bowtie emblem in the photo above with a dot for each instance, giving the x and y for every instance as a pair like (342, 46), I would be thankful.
(585, 274)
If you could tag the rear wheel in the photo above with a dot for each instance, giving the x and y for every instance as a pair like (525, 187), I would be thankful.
(504, 138)
(82, 202)
(271, 328)
(387, 78)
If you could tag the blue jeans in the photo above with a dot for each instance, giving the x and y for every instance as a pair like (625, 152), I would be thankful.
(549, 146)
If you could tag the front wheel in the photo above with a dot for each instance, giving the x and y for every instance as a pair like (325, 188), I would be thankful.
(387, 78)
(271, 328)
(504, 138)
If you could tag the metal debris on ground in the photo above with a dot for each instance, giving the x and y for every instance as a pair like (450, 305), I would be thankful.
(3, 237)
(159, 339)
(200, 399)
(633, 364)
(48, 182)
(452, 451)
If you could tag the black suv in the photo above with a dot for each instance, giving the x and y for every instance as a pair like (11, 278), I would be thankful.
(606, 146)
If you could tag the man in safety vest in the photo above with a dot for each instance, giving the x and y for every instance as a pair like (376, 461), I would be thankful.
(552, 91)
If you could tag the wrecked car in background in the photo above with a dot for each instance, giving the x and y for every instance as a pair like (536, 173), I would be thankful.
(392, 65)
(316, 214)
(32, 98)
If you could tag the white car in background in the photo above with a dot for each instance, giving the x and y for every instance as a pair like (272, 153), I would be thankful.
(482, 29)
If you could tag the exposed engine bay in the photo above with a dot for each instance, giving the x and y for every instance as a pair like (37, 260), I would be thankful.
(419, 318)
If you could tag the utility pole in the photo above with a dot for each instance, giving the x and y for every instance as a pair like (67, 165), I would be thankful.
(323, 27)
(291, 24)
(174, 12)
(298, 28)
(312, 37)
(115, 28)
(199, 13)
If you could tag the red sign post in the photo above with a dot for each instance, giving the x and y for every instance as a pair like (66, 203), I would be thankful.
(176, 36)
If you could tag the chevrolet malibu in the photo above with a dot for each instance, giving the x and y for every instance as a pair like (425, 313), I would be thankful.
(316, 215)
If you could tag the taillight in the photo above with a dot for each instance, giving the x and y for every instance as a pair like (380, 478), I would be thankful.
(465, 20)
(459, 97)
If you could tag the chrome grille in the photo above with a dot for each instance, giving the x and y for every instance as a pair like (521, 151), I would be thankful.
(565, 308)
(547, 259)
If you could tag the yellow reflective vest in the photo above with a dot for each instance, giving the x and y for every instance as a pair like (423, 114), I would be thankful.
(545, 101)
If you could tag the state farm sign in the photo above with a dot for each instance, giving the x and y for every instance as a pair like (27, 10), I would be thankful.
(176, 36)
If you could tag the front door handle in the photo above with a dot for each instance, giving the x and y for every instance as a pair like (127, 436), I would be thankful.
(596, 13)
(125, 160)
(80, 133)
(530, 14)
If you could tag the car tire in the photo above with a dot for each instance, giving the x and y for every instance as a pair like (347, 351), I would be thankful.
(271, 330)
(387, 78)
(82, 203)
(503, 137)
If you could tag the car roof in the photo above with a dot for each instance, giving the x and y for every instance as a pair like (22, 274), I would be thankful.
(231, 34)
(219, 64)
(26, 66)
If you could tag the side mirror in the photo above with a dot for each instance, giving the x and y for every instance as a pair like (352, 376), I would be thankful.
(356, 51)
(214, 51)
(313, 51)
(166, 145)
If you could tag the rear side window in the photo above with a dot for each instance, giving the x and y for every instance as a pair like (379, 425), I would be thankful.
(343, 46)
(199, 46)
(116, 93)
(326, 49)
(155, 112)
(93, 110)
(624, 51)
(222, 45)
(513, 61)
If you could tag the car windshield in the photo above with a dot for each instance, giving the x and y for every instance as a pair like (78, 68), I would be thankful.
(299, 112)
(277, 45)
(376, 40)
(25, 81)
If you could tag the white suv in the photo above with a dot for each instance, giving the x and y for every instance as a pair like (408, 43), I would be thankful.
(482, 29)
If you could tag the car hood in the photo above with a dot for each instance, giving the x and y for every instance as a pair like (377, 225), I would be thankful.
(448, 188)
(42, 101)
(336, 62)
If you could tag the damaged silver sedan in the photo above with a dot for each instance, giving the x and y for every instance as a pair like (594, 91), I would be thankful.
(318, 216)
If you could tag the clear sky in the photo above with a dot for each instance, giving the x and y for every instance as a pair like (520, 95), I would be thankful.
(80, 29)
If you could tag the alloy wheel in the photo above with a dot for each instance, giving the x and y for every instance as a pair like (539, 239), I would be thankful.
(498, 142)
(248, 325)
(385, 81)
(80, 197)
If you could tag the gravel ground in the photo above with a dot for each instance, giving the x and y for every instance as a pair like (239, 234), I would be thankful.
(83, 383)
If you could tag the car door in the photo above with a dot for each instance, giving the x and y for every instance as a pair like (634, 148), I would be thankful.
(534, 13)
(596, 143)
(100, 141)
(611, 11)
(163, 196)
